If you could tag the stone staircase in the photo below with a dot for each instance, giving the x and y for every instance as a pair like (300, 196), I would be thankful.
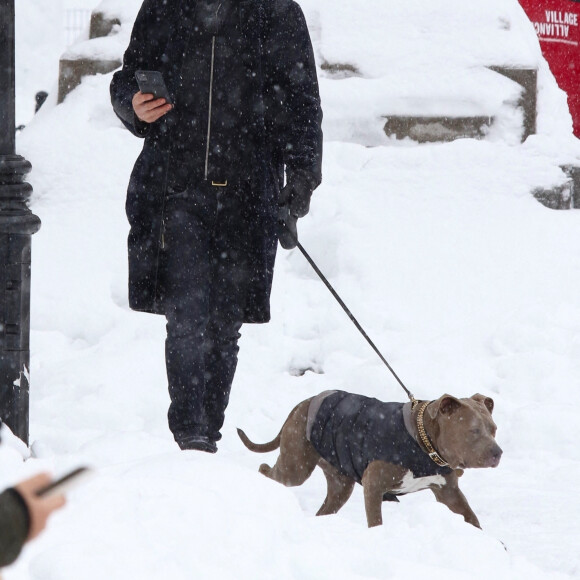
(75, 64)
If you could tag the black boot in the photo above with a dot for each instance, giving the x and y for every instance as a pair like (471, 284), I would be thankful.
(197, 443)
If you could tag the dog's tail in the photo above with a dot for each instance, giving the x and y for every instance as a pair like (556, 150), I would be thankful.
(260, 447)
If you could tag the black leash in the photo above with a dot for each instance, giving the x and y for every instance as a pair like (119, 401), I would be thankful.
(345, 308)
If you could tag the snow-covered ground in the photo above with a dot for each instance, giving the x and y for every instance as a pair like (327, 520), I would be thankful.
(464, 281)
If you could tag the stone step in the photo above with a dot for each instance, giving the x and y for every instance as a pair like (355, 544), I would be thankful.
(73, 67)
(434, 128)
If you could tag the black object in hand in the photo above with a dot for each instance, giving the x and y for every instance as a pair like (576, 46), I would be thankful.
(151, 82)
(64, 483)
(287, 230)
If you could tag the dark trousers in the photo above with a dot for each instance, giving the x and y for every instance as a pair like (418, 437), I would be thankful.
(206, 282)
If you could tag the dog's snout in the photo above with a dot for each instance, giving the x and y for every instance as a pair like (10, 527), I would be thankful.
(495, 455)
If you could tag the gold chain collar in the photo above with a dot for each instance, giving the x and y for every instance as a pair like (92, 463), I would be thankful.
(425, 438)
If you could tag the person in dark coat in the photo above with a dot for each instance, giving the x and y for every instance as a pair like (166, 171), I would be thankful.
(23, 515)
(205, 193)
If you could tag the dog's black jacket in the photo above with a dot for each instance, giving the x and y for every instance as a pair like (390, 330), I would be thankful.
(350, 431)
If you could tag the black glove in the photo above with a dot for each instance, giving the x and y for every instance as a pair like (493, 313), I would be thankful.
(297, 192)
(294, 203)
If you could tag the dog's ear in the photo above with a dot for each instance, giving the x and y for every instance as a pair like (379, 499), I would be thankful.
(444, 405)
(487, 401)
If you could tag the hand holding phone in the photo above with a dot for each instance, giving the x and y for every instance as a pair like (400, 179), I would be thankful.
(153, 99)
(148, 109)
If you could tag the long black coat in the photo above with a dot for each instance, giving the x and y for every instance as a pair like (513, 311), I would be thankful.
(269, 81)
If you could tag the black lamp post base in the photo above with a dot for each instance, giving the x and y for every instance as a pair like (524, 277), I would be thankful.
(17, 224)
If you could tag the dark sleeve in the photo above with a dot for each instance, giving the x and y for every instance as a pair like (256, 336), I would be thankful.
(290, 73)
(14, 525)
(148, 40)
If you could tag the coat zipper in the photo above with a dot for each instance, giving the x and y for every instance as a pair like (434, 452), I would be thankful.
(210, 106)
(209, 112)
(210, 99)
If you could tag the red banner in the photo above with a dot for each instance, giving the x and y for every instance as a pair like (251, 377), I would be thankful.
(557, 25)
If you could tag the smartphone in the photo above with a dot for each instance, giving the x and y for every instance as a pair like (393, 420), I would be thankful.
(64, 483)
(151, 82)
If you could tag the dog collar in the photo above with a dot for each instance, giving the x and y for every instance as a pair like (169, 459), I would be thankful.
(435, 457)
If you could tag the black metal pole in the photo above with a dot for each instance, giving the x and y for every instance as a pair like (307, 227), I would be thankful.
(17, 224)
(7, 108)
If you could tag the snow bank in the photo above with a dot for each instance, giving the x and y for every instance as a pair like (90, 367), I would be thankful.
(463, 280)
